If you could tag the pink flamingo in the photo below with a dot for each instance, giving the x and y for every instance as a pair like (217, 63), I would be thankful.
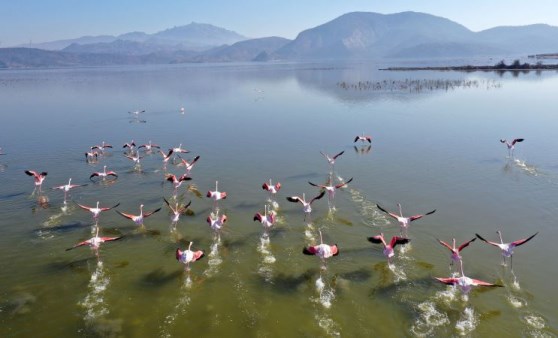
(271, 188)
(166, 157)
(103, 174)
(149, 146)
(91, 156)
(266, 219)
(66, 188)
(176, 211)
(216, 195)
(388, 248)
(216, 223)
(331, 189)
(130, 145)
(404, 222)
(464, 283)
(135, 158)
(102, 147)
(455, 251)
(96, 211)
(38, 177)
(331, 160)
(95, 242)
(363, 138)
(323, 251)
(507, 248)
(307, 206)
(189, 165)
(188, 256)
(511, 145)
(138, 219)
(177, 181)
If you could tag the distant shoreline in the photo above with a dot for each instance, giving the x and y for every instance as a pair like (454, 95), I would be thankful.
(469, 68)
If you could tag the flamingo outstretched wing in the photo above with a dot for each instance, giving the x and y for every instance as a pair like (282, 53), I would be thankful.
(415, 217)
(387, 212)
(466, 244)
(147, 214)
(489, 242)
(523, 241)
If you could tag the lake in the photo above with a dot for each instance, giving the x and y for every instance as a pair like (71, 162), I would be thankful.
(435, 146)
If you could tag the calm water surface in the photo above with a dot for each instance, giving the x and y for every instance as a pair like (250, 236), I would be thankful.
(432, 149)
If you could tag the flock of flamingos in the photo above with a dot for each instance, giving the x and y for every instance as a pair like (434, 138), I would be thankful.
(268, 218)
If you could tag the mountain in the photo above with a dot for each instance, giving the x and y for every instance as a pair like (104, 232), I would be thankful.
(121, 47)
(372, 35)
(246, 50)
(532, 39)
(60, 44)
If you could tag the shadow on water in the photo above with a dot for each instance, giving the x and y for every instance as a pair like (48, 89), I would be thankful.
(283, 283)
(360, 275)
(62, 228)
(158, 278)
(11, 196)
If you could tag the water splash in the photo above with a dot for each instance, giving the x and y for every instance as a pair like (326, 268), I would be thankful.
(527, 168)
(179, 309)
(429, 319)
(467, 323)
(368, 210)
(265, 269)
(214, 260)
(516, 302)
(398, 272)
(534, 320)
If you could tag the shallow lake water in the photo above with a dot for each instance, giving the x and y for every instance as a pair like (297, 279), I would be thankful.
(435, 146)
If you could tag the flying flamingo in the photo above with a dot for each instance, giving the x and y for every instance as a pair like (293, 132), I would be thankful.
(388, 248)
(130, 145)
(216, 195)
(95, 242)
(66, 188)
(102, 147)
(455, 251)
(38, 177)
(267, 219)
(216, 223)
(96, 211)
(404, 222)
(189, 165)
(331, 160)
(323, 251)
(511, 145)
(188, 256)
(507, 248)
(91, 155)
(138, 219)
(149, 146)
(103, 174)
(176, 211)
(177, 181)
(166, 157)
(179, 149)
(307, 206)
(331, 189)
(464, 283)
(272, 188)
(363, 138)
(135, 158)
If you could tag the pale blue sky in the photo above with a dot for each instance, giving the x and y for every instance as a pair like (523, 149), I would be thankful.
(22, 21)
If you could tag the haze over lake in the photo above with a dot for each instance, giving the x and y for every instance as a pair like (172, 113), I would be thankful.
(435, 146)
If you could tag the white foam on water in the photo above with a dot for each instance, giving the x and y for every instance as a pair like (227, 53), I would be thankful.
(179, 309)
(447, 296)
(516, 302)
(534, 320)
(398, 272)
(265, 269)
(527, 168)
(53, 220)
(467, 323)
(372, 216)
(429, 319)
(214, 260)
(94, 302)
(330, 327)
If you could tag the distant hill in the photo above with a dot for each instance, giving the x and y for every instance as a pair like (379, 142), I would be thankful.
(531, 39)
(243, 51)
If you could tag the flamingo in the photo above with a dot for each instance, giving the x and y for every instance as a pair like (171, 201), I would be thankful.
(166, 157)
(331, 189)
(307, 206)
(38, 177)
(324, 251)
(95, 242)
(179, 149)
(507, 248)
(176, 211)
(96, 211)
(272, 188)
(136, 112)
(404, 221)
(267, 219)
(130, 145)
(66, 188)
(465, 283)
(331, 160)
(103, 174)
(135, 158)
(189, 165)
(216, 195)
(363, 138)
(188, 256)
(91, 155)
(511, 145)
(455, 251)
(138, 219)
(216, 223)
(177, 181)
(388, 248)
(102, 147)
(149, 146)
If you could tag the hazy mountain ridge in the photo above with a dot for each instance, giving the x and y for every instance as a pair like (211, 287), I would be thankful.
(356, 35)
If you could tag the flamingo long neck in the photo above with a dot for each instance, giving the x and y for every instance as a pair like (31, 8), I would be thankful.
(462, 273)
(69, 181)
(97, 204)
(105, 169)
(303, 198)
(141, 209)
(97, 233)
(454, 247)
(265, 211)
(400, 210)
(190, 246)
(500, 235)
(216, 186)
(321, 239)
